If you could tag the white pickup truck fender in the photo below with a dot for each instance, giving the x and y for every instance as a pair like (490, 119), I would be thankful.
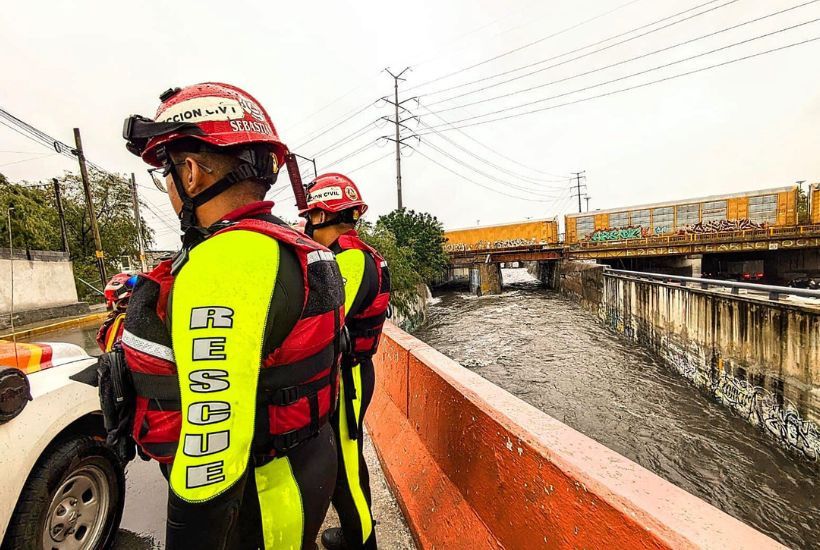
(57, 402)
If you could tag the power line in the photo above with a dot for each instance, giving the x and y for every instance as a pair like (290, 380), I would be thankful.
(494, 165)
(529, 44)
(349, 155)
(345, 140)
(333, 102)
(39, 157)
(38, 136)
(455, 125)
(493, 150)
(472, 168)
(335, 124)
(598, 69)
(365, 165)
(576, 50)
(465, 178)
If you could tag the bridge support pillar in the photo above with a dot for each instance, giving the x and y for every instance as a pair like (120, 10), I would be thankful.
(486, 279)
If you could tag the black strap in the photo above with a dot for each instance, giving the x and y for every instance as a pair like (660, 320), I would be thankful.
(349, 396)
(156, 386)
(282, 443)
(282, 397)
(241, 173)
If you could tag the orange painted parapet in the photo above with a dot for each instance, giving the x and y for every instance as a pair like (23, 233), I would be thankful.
(536, 232)
(474, 467)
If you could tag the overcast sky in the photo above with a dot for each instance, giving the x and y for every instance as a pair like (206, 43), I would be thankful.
(748, 125)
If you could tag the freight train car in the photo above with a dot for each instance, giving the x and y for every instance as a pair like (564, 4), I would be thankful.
(814, 203)
(776, 207)
(511, 235)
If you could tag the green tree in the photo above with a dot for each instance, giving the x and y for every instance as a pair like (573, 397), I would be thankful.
(802, 205)
(423, 235)
(404, 276)
(36, 225)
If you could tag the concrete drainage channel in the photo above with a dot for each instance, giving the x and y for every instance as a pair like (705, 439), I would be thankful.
(756, 352)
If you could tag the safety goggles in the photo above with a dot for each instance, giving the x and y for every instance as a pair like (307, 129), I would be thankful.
(158, 175)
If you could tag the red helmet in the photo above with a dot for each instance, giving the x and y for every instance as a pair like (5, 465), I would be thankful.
(333, 193)
(218, 114)
(119, 287)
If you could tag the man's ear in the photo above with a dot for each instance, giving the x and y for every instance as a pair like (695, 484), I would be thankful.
(197, 179)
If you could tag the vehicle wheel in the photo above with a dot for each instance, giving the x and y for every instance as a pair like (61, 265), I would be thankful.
(73, 499)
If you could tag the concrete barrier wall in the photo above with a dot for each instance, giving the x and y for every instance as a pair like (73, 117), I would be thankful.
(758, 357)
(474, 467)
(41, 281)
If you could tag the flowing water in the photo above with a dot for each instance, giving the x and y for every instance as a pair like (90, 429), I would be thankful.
(546, 350)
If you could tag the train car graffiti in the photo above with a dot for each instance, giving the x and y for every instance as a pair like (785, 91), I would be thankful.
(722, 226)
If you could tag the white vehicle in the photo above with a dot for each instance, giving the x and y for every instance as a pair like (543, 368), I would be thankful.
(60, 487)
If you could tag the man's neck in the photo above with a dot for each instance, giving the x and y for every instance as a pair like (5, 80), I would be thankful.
(217, 208)
(326, 236)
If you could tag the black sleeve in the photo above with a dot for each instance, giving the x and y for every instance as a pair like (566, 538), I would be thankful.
(288, 299)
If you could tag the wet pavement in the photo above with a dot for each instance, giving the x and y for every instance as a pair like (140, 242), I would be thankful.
(546, 350)
(143, 521)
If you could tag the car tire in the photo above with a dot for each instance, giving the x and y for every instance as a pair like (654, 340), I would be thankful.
(73, 498)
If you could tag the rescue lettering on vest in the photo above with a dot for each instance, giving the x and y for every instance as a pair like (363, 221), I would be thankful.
(219, 312)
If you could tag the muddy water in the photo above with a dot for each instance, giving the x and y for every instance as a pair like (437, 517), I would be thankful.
(552, 354)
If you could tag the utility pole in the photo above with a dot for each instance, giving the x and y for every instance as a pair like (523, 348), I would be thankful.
(11, 265)
(138, 222)
(60, 212)
(98, 252)
(587, 199)
(397, 104)
(577, 186)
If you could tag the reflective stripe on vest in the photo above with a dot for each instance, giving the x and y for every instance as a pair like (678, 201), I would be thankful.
(218, 327)
(351, 264)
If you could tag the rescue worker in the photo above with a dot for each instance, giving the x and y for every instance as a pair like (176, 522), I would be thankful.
(233, 345)
(334, 207)
(116, 292)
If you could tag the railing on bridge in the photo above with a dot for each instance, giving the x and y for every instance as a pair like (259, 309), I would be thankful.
(732, 236)
(523, 245)
(774, 292)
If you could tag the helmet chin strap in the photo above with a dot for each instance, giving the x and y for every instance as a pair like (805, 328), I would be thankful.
(256, 165)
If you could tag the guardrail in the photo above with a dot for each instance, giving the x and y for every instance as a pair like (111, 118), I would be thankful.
(774, 291)
(655, 240)
(729, 236)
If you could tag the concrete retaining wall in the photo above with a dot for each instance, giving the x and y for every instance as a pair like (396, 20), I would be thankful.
(474, 467)
(760, 358)
(41, 280)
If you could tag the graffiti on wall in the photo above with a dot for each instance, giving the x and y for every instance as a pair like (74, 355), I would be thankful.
(490, 245)
(760, 407)
(626, 233)
(757, 405)
(722, 226)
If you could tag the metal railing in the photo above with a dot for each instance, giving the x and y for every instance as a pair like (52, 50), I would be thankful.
(773, 291)
(727, 236)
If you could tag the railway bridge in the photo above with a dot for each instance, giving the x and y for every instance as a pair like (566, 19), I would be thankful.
(754, 236)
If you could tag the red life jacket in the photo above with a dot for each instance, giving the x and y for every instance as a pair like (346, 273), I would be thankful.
(365, 327)
(297, 381)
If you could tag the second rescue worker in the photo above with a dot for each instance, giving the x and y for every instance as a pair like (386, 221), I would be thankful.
(334, 207)
(233, 345)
